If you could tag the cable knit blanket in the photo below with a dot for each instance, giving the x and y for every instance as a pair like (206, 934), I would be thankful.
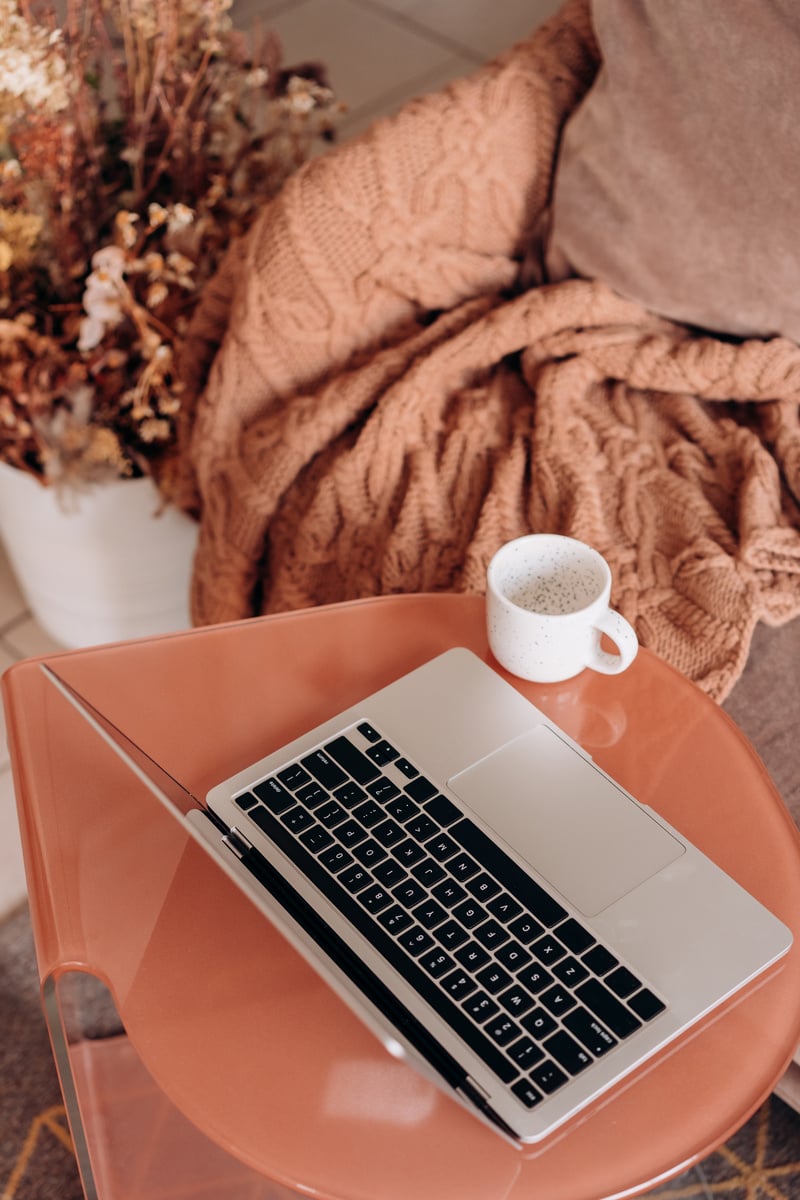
(392, 394)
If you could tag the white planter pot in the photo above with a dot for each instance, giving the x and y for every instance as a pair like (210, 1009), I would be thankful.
(102, 565)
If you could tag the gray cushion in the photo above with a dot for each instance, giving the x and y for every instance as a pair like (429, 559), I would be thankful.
(678, 175)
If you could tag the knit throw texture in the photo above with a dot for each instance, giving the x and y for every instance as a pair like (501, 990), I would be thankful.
(388, 390)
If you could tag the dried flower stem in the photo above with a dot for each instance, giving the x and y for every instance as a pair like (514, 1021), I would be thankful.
(124, 176)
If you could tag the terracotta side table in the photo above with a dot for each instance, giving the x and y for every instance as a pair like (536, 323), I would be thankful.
(236, 1071)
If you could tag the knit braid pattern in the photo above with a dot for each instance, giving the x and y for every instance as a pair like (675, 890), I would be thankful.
(388, 398)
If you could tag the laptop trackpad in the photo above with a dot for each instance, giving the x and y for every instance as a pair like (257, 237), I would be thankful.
(575, 827)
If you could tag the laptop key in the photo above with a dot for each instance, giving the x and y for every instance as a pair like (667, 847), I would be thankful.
(297, 819)
(442, 810)
(604, 1004)
(395, 919)
(382, 789)
(566, 1051)
(375, 898)
(451, 935)
(469, 913)
(274, 795)
(388, 833)
(427, 872)
(448, 892)
(389, 872)
(331, 814)
(421, 828)
(406, 768)
(525, 1053)
(491, 934)
(408, 852)
(527, 1093)
(382, 752)
(525, 928)
(494, 978)
(513, 956)
(505, 908)
(369, 853)
(362, 769)
(574, 936)
(262, 818)
(570, 971)
(502, 1029)
(350, 833)
(646, 1005)
(458, 984)
(415, 940)
(548, 1077)
(402, 809)
(558, 1000)
(294, 777)
(312, 794)
(420, 789)
(463, 867)
(335, 858)
(324, 769)
(442, 847)
(369, 813)
(480, 1007)
(515, 1000)
(472, 956)
(245, 800)
(355, 878)
(588, 1030)
(538, 1023)
(436, 962)
(548, 950)
(409, 893)
(535, 978)
(349, 794)
(316, 838)
(599, 960)
(429, 914)
(623, 983)
(483, 887)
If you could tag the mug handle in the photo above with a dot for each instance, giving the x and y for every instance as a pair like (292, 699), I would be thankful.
(623, 637)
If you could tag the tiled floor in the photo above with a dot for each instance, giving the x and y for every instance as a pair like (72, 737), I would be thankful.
(378, 54)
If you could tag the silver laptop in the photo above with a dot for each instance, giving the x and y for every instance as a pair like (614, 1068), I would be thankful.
(496, 908)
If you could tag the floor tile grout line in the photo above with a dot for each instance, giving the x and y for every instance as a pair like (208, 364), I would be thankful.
(402, 20)
(418, 27)
(268, 11)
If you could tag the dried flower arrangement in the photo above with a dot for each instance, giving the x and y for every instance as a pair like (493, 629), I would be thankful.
(137, 139)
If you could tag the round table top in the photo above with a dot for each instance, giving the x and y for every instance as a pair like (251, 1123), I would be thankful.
(239, 1031)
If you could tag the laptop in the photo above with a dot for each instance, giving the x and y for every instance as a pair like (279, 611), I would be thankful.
(495, 907)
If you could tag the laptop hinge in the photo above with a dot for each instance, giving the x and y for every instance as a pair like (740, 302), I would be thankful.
(237, 842)
(473, 1090)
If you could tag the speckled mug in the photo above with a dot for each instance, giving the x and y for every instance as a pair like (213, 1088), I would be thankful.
(546, 607)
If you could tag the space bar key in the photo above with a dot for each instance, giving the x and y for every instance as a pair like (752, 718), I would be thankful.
(508, 873)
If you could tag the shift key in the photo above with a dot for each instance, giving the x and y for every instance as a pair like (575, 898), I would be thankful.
(604, 1004)
(362, 769)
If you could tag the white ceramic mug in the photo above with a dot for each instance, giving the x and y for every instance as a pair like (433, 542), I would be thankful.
(547, 606)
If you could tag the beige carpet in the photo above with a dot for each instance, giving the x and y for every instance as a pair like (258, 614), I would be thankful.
(762, 1162)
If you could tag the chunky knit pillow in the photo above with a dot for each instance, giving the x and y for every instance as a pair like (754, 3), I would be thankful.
(678, 180)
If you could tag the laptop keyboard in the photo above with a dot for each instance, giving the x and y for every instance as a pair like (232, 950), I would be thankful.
(520, 980)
